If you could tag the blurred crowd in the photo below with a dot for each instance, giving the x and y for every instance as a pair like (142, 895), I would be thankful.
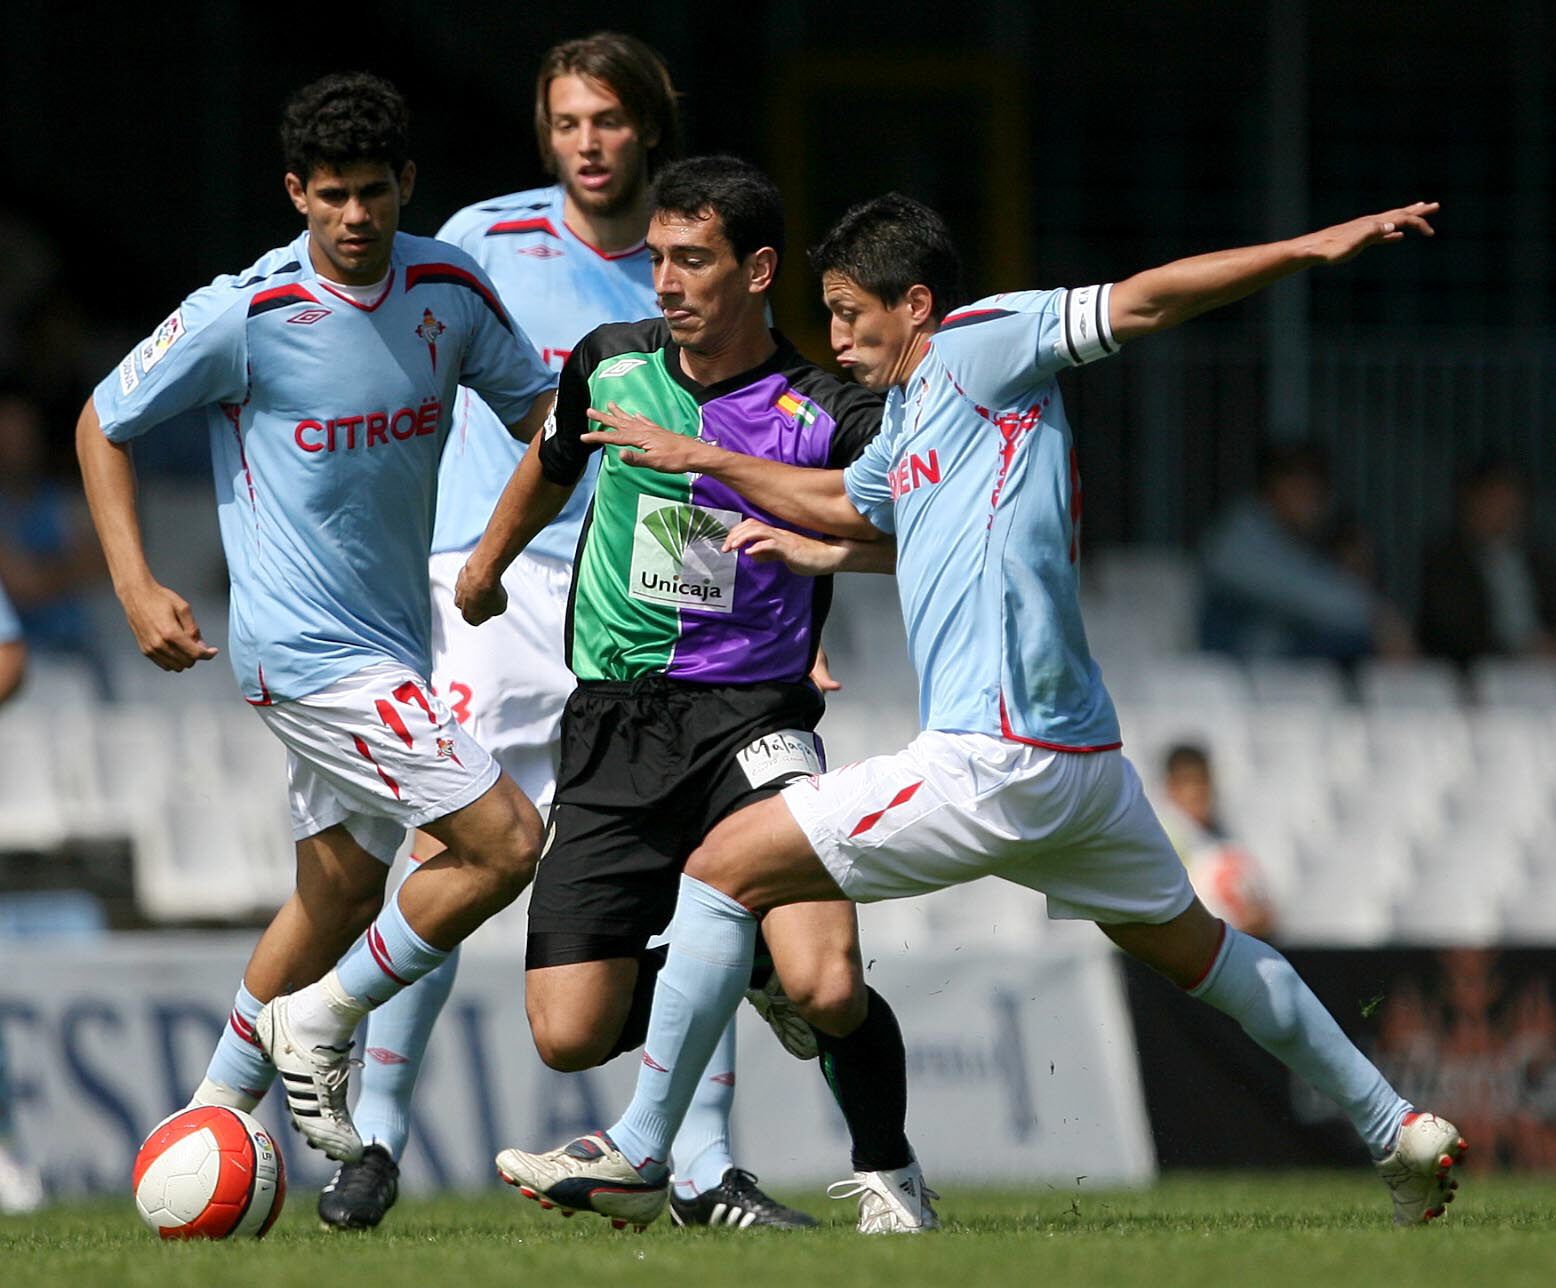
(1286, 574)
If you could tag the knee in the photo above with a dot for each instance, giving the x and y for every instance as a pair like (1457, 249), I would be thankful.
(565, 1045)
(830, 995)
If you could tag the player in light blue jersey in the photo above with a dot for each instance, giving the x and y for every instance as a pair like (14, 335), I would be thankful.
(1017, 773)
(328, 373)
(564, 259)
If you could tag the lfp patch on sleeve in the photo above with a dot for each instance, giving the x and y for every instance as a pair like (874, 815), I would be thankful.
(169, 333)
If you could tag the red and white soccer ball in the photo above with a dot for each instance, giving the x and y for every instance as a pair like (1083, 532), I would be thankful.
(209, 1173)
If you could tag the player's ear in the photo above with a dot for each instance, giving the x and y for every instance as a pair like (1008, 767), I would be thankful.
(297, 190)
(407, 182)
(761, 268)
(920, 301)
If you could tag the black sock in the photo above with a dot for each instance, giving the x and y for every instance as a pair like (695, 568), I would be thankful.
(868, 1074)
(634, 1030)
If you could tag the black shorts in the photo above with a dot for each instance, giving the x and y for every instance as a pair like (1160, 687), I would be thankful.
(648, 767)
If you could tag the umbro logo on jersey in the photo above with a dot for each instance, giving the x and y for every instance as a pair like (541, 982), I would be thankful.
(620, 368)
(309, 316)
(539, 251)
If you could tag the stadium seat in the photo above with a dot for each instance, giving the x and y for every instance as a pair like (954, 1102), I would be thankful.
(1423, 683)
(1308, 682)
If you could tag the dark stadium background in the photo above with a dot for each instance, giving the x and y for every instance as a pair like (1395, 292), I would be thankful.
(1068, 143)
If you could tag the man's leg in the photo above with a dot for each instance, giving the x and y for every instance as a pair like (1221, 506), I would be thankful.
(1253, 983)
(340, 886)
(492, 844)
(705, 975)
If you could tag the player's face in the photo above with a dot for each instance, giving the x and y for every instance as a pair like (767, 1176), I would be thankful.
(601, 159)
(706, 294)
(352, 217)
(872, 343)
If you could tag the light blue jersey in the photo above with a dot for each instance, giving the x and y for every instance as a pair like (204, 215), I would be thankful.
(558, 288)
(327, 421)
(975, 472)
(10, 624)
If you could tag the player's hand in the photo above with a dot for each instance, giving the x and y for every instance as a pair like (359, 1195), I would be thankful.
(1344, 241)
(165, 628)
(808, 556)
(657, 448)
(821, 674)
(479, 596)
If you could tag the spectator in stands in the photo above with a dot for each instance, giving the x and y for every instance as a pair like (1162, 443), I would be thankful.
(1224, 875)
(1485, 587)
(48, 554)
(13, 649)
(1271, 589)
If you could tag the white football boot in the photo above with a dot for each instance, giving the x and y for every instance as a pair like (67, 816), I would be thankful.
(790, 1027)
(315, 1079)
(1419, 1169)
(586, 1175)
(895, 1202)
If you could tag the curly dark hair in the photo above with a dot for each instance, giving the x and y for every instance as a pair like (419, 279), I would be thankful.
(344, 118)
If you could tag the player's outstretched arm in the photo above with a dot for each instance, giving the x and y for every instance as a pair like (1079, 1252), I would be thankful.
(527, 504)
(162, 621)
(1163, 297)
(812, 498)
(810, 556)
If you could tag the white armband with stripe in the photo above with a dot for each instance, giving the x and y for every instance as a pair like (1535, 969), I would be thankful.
(1084, 332)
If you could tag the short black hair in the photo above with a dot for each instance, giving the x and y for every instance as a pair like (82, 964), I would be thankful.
(1186, 755)
(891, 243)
(632, 71)
(343, 119)
(746, 201)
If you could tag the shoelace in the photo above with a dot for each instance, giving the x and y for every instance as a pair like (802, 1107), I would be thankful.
(334, 1081)
(852, 1188)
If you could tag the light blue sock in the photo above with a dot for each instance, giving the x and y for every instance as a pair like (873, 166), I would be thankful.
(1258, 988)
(701, 1147)
(704, 977)
(397, 1034)
(239, 1062)
(390, 956)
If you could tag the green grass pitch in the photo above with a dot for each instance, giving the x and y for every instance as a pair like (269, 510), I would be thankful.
(1316, 1230)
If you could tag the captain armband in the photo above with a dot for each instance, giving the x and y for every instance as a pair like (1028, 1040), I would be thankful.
(1084, 331)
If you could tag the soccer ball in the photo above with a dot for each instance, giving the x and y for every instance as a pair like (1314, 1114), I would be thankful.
(209, 1173)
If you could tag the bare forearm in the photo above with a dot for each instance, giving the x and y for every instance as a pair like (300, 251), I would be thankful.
(811, 498)
(108, 475)
(527, 504)
(869, 556)
(1163, 297)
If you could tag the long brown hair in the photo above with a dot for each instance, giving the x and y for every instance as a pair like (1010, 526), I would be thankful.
(632, 71)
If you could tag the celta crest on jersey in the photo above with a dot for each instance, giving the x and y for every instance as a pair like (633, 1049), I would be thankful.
(429, 331)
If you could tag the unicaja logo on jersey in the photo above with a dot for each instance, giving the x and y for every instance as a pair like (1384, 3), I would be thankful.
(678, 556)
(429, 331)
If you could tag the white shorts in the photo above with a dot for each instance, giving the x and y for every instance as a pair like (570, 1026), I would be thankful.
(505, 680)
(379, 752)
(953, 807)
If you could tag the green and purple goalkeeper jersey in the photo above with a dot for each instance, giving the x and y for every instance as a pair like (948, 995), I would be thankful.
(654, 593)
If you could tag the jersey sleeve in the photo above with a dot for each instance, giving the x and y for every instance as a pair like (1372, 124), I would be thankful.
(868, 482)
(858, 415)
(197, 356)
(563, 457)
(500, 363)
(998, 349)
